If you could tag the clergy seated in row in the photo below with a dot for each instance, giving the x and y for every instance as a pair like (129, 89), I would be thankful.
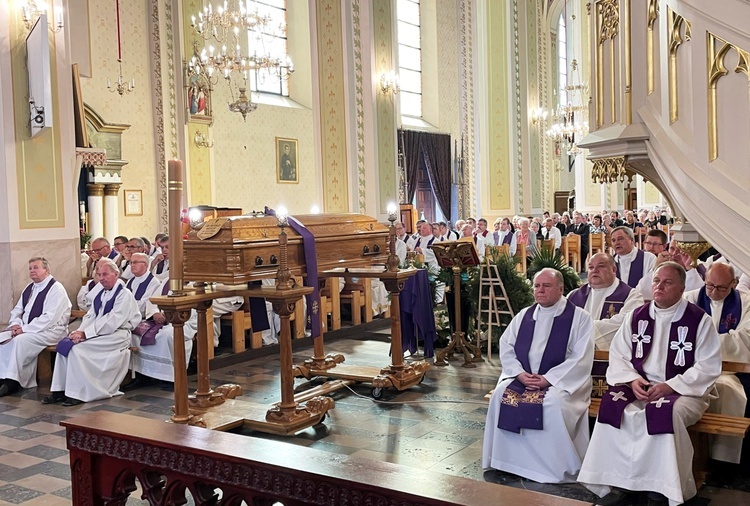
(632, 263)
(39, 319)
(93, 360)
(537, 422)
(467, 234)
(606, 298)
(502, 235)
(663, 364)
(730, 312)
(263, 318)
(133, 246)
(100, 248)
(160, 261)
(153, 347)
(422, 245)
(656, 243)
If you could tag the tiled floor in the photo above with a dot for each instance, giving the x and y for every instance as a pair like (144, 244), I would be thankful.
(437, 425)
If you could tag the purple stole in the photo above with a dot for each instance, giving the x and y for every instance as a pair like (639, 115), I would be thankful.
(612, 304)
(507, 239)
(141, 288)
(112, 254)
(91, 285)
(160, 266)
(429, 243)
(65, 344)
(636, 270)
(680, 357)
(496, 236)
(731, 311)
(148, 329)
(38, 307)
(521, 408)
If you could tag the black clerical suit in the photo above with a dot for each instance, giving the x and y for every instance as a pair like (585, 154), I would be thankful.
(583, 230)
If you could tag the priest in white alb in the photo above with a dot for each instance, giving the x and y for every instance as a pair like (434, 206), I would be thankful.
(730, 312)
(93, 360)
(537, 422)
(39, 319)
(606, 298)
(663, 364)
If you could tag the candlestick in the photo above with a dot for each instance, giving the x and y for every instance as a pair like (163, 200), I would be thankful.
(174, 187)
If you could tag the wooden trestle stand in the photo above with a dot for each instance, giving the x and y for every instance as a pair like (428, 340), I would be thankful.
(457, 255)
(398, 375)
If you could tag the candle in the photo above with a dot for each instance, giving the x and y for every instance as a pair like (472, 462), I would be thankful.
(82, 211)
(119, 42)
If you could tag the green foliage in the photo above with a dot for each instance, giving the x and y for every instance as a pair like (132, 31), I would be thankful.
(547, 258)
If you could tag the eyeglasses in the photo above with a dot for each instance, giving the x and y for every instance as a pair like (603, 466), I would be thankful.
(652, 244)
(132, 246)
(720, 289)
(119, 244)
(98, 250)
(138, 262)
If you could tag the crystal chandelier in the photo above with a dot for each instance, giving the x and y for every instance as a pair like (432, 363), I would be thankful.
(243, 104)
(570, 122)
(229, 27)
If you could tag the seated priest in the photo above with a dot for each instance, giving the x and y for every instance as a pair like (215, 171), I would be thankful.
(656, 243)
(632, 263)
(153, 356)
(537, 423)
(606, 298)
(135, 245)
(39, 319)
(730, 312)
(88, 292)
(423, 246)
(143, 285)
(663, 364)
(160, 261)
(93, 360)
(100, 248)
(503, 235)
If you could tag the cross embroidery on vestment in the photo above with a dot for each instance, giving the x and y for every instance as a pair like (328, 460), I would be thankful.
(660, 401)
(641, 338)
(681, 346)
(618, 396)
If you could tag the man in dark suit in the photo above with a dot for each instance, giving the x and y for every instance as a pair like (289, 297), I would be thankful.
(582, 228)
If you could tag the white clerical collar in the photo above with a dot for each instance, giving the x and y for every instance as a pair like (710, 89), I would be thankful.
(608, 289)
(554, 310)
(630, 256)
(674, 312)
(141, 278)
(43, 282)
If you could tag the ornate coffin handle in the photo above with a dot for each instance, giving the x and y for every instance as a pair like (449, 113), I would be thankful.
(366, 251)
(258, 261)
(274, 260)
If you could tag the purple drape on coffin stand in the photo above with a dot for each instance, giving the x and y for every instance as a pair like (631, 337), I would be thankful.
(417, 314)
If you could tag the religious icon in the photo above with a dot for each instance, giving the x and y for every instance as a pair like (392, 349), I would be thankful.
(286, 160)
(198, 97)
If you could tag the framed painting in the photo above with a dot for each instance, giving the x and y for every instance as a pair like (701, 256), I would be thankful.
(198, 99)
(286, 160)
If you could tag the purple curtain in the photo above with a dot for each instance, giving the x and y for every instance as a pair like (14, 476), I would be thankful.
(436, 150)
(408, 144)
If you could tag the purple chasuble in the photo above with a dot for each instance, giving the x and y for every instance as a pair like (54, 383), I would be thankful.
(112, 254)
(521, 408)
(680, 357)
(38, 307)
(141, 290)
(508, 238)
(160, 266)
(731, 311)
(612, 304)
(636, 270)
(65, 344)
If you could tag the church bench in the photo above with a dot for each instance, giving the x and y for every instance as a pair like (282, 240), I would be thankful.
(44, 359)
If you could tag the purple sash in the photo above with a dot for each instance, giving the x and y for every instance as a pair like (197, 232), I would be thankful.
(636, 269)
(612, 304)
(110, 303)
(311, 261)
(91, 284)
(429, 243)
(731, 311)
(521, 408)
(141, 288)
(38, 307)
(508, 238)
(160, 266)
(148, 329)
(496, 236)
(112, 254)
(701, 270)
(680, 357)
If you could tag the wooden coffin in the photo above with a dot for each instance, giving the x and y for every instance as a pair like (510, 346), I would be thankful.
(240, 249)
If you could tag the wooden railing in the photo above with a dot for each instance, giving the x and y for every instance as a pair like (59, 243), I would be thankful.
(108, 451)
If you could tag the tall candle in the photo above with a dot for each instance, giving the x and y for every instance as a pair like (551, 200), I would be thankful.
(119, 42)
(174, 188)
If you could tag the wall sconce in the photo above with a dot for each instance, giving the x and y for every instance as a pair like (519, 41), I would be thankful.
(30, 13)
(389, 83)
(201, 141)
(538, 115)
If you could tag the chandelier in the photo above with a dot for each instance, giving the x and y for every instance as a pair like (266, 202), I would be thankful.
(229, 26)
(122, 86)
(570, 122)
(243, 104)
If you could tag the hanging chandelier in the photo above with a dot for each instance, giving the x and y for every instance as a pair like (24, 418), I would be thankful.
(122, 86)
(230, 27)
(243, 104)
(570, 122)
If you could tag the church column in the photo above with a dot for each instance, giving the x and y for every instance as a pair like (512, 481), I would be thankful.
(111, 225)
(96, 209)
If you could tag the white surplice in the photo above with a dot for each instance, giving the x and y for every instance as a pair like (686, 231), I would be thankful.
(18, 356)
(629, 457)
(625, 261)
(732, 399)
(554, 454)
(95, 368)
(605, 330)
(145, 306)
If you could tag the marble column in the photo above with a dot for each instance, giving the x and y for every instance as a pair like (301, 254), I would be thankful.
(111, 225)
(96, 209)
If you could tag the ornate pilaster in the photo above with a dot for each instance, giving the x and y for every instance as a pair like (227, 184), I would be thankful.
(111, 210)
(96, 209)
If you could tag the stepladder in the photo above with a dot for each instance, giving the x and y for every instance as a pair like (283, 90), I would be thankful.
(493, 303)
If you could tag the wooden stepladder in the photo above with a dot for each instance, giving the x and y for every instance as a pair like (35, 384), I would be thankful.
(491, 302)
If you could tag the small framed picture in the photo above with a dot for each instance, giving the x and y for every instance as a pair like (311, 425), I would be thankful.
(133, 203)
(198, 99)
(286, 160)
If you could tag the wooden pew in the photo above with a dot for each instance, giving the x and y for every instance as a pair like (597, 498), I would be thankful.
(572, 251)
(521, 257)
(596, 244)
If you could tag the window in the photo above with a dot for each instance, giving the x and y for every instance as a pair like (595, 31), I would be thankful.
(562, 61)
(271, 40)
(409, 57)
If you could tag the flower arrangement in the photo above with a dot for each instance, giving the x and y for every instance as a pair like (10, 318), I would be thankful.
(85, 238)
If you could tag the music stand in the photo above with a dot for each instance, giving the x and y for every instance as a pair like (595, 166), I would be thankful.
(457, 255)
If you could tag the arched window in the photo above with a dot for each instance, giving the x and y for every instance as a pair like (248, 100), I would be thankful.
(273, 41)
(409, 57)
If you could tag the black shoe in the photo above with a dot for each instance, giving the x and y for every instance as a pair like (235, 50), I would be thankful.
(618, 498)
(9, 387)
(54, 398)
(69, 401)
(139, 382)
(656, 499)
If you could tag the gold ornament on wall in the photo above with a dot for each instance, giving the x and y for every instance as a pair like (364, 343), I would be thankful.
(676, 38)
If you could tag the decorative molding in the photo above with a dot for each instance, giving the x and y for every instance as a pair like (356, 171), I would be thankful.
(111, 190)
(158, 97)
(627, 35)
(653, 15)
(609, 12)
(518, 117)
(359, 106)
(385, 104)
(547, 195)
(676, 23)
(95, 189)
(607, 29)
(91, 156)
(467, 201)
(717, 50)
(168, 18)
(609, 170)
